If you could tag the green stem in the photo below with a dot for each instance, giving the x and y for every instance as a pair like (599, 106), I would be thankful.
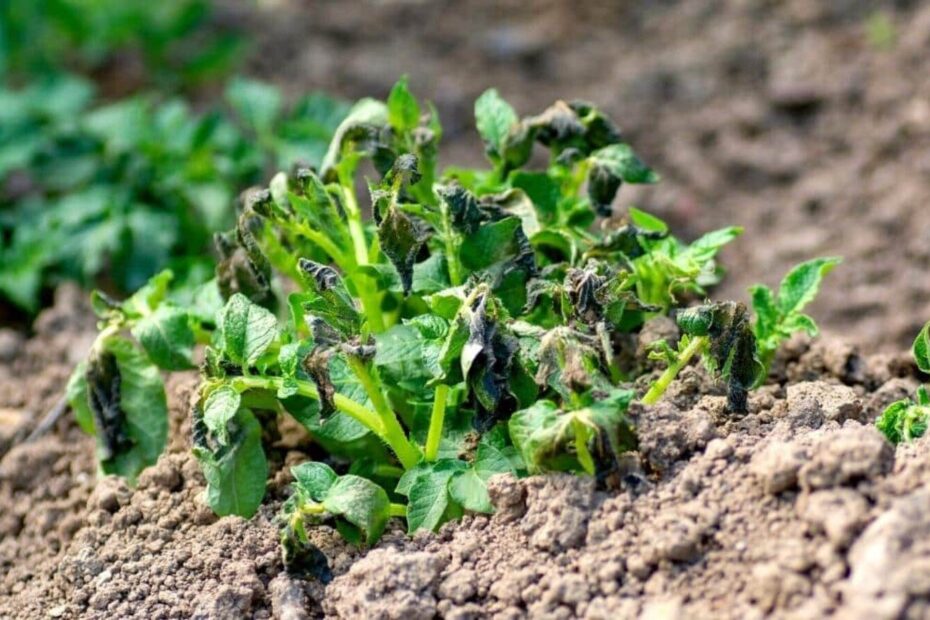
(398, 510)
(371, 302)
(581, 447)
(354, 219)
(394, 434)
(388, 471)
(658, 388)
(436, 420)
(388, 429)
(311, 508)
(325, 244)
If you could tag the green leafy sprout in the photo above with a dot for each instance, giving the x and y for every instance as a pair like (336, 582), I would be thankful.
(447, 327)
(905, 420)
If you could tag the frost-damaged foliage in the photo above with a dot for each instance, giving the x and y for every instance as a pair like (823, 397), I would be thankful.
(475, 325)
(131, 187)
(117, 394)
(907, 419)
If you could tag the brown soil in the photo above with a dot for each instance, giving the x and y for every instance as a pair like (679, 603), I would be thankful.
(781, 117)
(800, 509)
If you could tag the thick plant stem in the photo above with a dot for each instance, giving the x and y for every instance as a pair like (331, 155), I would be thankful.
(436, 420)
(408, 454)
(658, 388)
(398, 510)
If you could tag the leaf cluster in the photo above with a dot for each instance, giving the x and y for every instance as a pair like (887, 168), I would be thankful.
(475, 324)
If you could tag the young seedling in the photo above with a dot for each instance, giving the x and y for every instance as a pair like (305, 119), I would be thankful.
(738, 352)
(472, 326)
(779, 316)
(721, 335)
(907, 419)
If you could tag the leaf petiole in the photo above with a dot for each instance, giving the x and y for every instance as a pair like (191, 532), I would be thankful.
(437, 417)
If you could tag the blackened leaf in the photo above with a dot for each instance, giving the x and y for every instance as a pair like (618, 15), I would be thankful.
(303, 558)
(247, 330)
(611, 166)
(463, 208)
(243, 267)
(602, 188)
(401, 237)
(236, 473)
(328, 298)
(600, 131)
(558, 127)
(403, 109)
(569, 362)
(167, 338)
(316, 365)
(732, 351)
(127, 399)
(104, 383)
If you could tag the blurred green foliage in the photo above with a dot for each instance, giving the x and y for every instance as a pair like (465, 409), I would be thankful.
(110, 192)
(176, 43)
(126, 188)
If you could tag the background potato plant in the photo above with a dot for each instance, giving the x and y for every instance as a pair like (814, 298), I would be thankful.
(430, 331)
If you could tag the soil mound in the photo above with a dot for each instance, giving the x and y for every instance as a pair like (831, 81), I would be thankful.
(799, 509)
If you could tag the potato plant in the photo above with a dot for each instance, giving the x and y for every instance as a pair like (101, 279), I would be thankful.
(432, 332)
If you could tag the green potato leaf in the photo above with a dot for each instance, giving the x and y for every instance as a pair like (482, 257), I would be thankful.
(495, 119)
(236, 470)
(403, 109)
(167, 338)
(248, 330)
